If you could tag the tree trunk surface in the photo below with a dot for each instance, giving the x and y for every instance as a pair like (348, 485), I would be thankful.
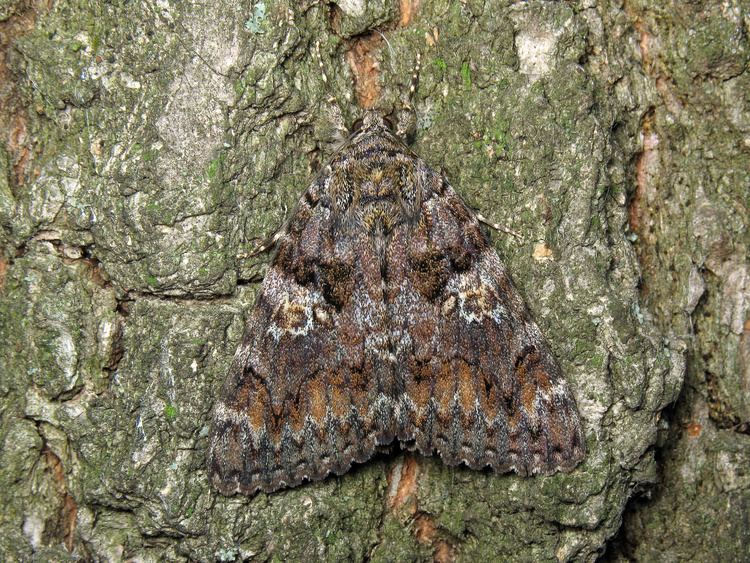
(149, 147)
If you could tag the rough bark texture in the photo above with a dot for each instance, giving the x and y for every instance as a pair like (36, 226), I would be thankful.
(149, 146)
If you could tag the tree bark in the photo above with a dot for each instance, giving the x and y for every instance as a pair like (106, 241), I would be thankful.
(150, 146)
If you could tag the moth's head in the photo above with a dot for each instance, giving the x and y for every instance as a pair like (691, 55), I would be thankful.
(393, 115)
(395, 124)
(373, 121)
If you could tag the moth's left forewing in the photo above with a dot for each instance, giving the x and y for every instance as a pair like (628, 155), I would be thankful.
(307, 393)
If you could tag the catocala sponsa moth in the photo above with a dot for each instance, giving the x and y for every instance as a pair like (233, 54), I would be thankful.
(387, 315)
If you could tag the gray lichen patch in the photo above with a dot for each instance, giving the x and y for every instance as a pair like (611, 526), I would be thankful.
(146, 143)
(690, 215)
(58, 339)
(59, 325)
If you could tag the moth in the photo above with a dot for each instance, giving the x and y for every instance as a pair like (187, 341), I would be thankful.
(386, 315)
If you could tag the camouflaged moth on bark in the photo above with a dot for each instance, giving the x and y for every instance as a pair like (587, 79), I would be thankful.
(387, 315)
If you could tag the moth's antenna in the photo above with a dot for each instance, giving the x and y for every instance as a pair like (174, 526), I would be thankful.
(415, 78)
(331, 115)
(498, 227)
(407, 116)
(320, 63)
(269, 242)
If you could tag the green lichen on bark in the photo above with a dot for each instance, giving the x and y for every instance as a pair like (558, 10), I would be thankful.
(170, 138)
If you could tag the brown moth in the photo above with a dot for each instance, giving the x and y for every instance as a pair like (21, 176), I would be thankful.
(387, 315)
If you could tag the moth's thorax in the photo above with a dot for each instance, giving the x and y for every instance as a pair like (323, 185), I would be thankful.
(374, 179)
